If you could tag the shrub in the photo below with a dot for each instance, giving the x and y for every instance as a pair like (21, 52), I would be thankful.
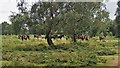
(105, 51)
(115, 44)
(101, 60)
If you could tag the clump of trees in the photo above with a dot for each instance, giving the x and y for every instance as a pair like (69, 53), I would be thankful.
(6, 28)
(68, 18)
(117, 23)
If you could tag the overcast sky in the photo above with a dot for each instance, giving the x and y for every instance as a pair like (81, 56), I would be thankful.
(10, 5)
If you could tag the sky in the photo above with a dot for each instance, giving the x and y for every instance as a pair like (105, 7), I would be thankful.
(6, 6)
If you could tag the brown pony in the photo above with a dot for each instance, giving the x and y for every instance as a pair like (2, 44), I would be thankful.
(36, 36)
(83, 37)
(23, 37)
(102, 37)
(86, 37)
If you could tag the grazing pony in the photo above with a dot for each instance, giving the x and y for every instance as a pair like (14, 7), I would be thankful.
(19, 36)
(90, 36)
(23, 37)
(86, 37)
(60, 36)
(55, 36)
(83, 37)
(102, 37)
(36, 36)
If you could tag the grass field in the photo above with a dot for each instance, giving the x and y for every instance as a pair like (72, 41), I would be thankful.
(36, 52)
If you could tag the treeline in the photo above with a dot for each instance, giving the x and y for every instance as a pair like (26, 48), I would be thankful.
(68, 18)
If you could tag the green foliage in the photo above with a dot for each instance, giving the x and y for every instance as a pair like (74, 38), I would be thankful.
(101, 59)
(117, 20)
(6, 28)
(18, 22)
(106, 51)
(57, 58)
(40, 47)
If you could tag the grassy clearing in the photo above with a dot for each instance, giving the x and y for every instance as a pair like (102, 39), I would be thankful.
(36, 52)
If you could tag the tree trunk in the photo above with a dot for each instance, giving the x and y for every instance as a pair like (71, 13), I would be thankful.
(49, 40)
(74, 38)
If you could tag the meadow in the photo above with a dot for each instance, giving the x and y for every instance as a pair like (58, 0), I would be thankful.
(36, 52)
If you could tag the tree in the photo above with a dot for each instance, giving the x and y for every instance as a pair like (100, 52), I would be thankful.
(17, 22)
(37, 29)
(118, 19)
(71, 24)
(21, 21)
(48, 14)
(22, 6)
(85, 18)
(6, 28)
(101, 23)
(112, 27)
(1, 29)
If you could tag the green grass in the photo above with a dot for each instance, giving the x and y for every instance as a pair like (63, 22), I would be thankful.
(36, 52)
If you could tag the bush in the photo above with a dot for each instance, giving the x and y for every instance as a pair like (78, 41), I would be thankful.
(105, 51)
(115, 44)
(40, 47)
(101, 60)
(89, 59)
